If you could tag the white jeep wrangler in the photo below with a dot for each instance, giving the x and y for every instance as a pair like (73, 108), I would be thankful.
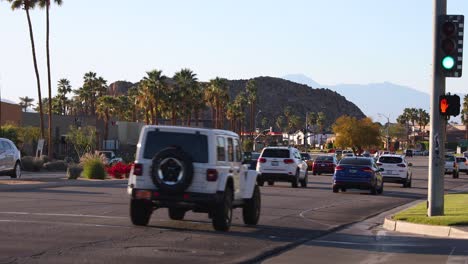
(198, 169)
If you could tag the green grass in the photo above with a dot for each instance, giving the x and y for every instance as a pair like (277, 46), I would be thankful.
(455, 212)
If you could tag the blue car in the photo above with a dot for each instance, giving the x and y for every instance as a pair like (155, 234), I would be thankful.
(358, 173)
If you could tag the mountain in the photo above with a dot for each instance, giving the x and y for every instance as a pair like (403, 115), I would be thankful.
(386, 99)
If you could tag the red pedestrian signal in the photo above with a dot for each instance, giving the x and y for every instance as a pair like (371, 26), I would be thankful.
(449, 105)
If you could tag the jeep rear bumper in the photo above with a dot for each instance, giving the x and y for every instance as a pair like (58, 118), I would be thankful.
(187, 200)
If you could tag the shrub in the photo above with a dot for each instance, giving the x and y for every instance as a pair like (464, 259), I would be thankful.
(74, 171)
(58, 165)
(31, 163)
(44, 158)
(119, 170)
(93, 166)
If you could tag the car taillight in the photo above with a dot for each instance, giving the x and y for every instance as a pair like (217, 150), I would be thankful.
(338, 168)
(211, 175)
(288, 161)
(137, 169)
(401, 165)
(367, 169)
(262, 160)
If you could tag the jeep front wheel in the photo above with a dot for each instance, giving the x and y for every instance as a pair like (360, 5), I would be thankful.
(140, 212)
(251, 209)
(222, 213)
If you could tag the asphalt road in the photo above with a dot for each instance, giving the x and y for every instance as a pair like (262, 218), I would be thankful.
(91, 225)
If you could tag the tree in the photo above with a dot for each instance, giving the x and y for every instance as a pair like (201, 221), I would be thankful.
(251, 90)
(423, 119)
(186, 84)
(27, 5)
(105, 109)
(63, 88)
(83, 139)
(280, 123)
(464, 115)
(25, 102)
(154, 86)
(46, 4)
(357, 134)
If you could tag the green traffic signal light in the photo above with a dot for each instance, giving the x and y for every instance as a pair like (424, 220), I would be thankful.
(448, 62)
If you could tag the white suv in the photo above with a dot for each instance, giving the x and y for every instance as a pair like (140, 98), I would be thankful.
(451, 166)
(282, 164)
(395, 169)
(185, 168)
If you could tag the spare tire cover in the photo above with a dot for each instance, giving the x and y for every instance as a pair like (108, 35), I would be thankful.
(172, 170)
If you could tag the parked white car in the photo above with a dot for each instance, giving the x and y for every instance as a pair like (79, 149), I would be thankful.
(462, 164)
(186, 168)
(395, 169)
(451, 166)
(283, 164)
(10, 159)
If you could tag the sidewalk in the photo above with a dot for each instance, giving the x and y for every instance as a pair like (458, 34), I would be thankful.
(38, 180)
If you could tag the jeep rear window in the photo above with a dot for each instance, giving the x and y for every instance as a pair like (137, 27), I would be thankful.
(195, 145)
(393, 160)
(276, 153)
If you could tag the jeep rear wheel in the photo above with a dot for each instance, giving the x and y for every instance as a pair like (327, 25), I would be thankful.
(251, 209)
(140, 211)
(176, 213)
(222, 213)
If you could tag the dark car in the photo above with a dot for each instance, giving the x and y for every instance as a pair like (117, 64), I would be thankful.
(252, 162)
(358, 173)
(324, 164)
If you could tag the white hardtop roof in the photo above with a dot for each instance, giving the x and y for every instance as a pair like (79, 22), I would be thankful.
(392, 155)
(191, 129)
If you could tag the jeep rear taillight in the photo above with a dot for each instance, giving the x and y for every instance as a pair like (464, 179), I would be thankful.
(288, 161)
(211, 175)
(137, 169)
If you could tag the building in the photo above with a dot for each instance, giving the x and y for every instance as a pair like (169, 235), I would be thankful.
(10, 113)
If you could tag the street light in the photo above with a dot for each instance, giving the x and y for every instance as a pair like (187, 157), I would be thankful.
(386, 130)
(255, 125)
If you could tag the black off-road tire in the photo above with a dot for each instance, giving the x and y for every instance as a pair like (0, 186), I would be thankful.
(176, 213)
(175, 154)
(251, 209)
(140, 211)
(373, 189)
(222, 213)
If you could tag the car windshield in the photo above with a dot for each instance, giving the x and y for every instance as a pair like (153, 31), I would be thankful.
(195, 145)
(356, 161)
(324, 158)
(305, 155)
(276, 153)
(449, 158)
(393, 160)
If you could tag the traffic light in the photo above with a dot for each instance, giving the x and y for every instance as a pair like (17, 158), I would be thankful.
(451, 44)
(449, 105)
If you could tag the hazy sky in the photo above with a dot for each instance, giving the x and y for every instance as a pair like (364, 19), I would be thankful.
(331, 41)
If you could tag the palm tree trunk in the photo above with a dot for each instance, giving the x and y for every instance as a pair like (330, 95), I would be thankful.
(106, 125)
(49, 149)
(33, 47)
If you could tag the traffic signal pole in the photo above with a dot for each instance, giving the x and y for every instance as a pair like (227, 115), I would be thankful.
(435, 202)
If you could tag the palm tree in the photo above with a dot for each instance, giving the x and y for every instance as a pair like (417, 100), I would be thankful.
(185, 83)
(105, 108)
(423, 118)
(26, 102)
(63, 88)
(27, 5)
(156, 85)
(252, 99)
(46, 4)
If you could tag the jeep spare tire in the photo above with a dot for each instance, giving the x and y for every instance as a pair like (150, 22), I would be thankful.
(172, 170)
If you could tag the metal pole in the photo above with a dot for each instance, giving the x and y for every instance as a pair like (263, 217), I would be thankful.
(435, 202)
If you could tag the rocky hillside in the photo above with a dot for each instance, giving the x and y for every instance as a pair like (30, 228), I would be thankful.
(274, 94)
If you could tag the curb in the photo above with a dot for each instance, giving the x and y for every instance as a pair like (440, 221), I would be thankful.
(62, 183)
(422, 229)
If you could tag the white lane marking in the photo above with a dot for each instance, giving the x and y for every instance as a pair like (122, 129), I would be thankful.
(63, 223)
(367, 244)
(68, 215)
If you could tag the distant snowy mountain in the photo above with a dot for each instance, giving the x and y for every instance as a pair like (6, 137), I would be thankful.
(386, 98)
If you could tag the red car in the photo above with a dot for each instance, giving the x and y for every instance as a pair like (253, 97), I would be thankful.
(324, 164)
